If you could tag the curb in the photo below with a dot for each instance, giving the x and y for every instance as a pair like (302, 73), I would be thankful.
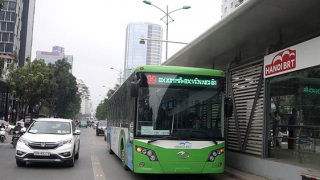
(241, 175)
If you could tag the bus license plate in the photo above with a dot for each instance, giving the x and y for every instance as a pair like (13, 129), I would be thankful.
(37, 153)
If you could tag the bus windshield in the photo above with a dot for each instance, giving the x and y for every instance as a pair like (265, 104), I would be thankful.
(186, 112)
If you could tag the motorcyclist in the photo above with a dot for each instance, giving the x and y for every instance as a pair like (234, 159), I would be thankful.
(18, 127)
(4, 127)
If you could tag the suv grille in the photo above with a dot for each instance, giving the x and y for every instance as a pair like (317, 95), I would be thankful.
(43, 145)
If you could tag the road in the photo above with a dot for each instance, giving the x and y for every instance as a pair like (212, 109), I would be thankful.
(94, 163)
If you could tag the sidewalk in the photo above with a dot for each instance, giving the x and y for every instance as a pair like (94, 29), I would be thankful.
(240, 175)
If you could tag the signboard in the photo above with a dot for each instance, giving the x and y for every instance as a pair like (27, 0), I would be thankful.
(300, 56)
(180, 80)
(50, 53)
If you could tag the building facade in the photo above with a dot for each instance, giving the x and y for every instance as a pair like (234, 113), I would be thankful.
(26, 31)
(230, 5)
(16, 32)
(56, 54)
(137, 54)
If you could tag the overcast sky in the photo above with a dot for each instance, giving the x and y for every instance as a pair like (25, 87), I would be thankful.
(93, 31)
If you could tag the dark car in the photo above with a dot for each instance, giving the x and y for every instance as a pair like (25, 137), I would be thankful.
(101, 126)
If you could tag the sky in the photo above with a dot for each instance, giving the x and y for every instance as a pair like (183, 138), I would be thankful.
(94, 32)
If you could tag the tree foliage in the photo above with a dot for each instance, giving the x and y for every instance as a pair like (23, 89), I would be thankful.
(68, 100)
(102, 108)
(30, 83)
(51, 88)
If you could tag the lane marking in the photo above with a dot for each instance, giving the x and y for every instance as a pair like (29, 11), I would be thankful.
(97, 169)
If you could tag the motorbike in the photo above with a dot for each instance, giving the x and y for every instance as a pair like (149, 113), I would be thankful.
(2, 135)
(16, 137)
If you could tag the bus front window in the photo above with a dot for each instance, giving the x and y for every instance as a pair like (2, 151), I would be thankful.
(183, 112)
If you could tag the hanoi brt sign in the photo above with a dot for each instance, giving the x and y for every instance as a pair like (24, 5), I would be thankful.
(297, 57)
(283, 61)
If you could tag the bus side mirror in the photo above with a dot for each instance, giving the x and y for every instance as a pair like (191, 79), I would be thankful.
(228, 107)
(134, 87)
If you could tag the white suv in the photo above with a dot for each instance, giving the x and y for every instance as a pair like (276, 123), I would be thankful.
(49, 140)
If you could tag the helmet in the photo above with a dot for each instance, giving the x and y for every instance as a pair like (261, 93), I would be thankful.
(19, 123)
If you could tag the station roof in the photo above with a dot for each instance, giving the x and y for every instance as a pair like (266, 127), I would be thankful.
(246, 33)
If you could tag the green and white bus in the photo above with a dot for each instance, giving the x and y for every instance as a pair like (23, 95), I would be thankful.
(169, 119)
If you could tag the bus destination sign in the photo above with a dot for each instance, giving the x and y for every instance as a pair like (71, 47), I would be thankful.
(164, 79)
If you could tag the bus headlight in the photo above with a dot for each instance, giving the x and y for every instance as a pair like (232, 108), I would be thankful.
(148, 152)
(214, 154)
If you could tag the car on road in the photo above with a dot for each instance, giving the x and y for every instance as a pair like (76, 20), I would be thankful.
(83, 124)
(49, 140)
(101, 126)
(95, 124)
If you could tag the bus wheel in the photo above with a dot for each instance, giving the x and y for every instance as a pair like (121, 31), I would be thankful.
(125, 167)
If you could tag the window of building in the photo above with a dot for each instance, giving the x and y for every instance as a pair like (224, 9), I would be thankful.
(13, 16)
(296, 98)
(1, 15)
(12, 6)
(3, 26)
(10, 26)
(9, 47)
(5, 37)
(5, 5)
(225, 10)
(11, 37)
(8, 16)
(231, 6)
(1, 47)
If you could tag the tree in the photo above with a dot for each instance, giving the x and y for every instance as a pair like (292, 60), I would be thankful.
(102, 108)
(67, 102)
(29, 83)
(83, 90)
(1, 4)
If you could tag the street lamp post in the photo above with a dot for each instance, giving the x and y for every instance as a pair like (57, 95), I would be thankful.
(167, 15)
(120, 74)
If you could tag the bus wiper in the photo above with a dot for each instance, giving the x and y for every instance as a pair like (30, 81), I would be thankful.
(165, 137)
(215, 142)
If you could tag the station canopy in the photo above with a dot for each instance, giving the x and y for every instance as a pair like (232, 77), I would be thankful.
(251, 30)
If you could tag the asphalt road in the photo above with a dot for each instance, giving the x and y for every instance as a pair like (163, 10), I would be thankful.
(94, 163)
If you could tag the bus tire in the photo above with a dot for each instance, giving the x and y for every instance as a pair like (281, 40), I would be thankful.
(109, 147)
(125, 167)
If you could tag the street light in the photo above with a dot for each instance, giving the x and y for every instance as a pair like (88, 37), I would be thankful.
(167, 15)
(120, 74)
(142, 40)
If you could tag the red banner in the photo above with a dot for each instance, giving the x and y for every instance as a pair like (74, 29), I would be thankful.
(283, 61)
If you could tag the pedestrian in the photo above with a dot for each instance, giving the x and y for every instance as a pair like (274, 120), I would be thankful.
(275, 129)
(291, 122)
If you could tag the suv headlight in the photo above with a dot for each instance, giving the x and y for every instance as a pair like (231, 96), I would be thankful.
(23, 140)
(61, 143)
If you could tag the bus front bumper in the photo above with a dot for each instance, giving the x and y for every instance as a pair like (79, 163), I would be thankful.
(179, 167)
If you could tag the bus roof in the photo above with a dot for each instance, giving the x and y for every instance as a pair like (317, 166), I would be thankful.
(179, 70)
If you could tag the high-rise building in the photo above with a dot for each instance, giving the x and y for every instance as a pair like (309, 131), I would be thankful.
(56, 54)
(26, 30)
(230, 5)
(137, 54)
(16, 32)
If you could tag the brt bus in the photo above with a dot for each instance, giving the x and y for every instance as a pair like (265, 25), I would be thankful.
(169, 119)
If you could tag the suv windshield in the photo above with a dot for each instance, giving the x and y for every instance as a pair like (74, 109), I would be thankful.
(50, 127)
(102, 123)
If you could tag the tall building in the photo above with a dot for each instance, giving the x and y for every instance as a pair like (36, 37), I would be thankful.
(137, 54)
(16, 32)
(26, 30)
(230, 5)
(56, 54)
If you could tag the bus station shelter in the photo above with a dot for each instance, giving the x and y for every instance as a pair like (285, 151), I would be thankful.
(270, 51)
